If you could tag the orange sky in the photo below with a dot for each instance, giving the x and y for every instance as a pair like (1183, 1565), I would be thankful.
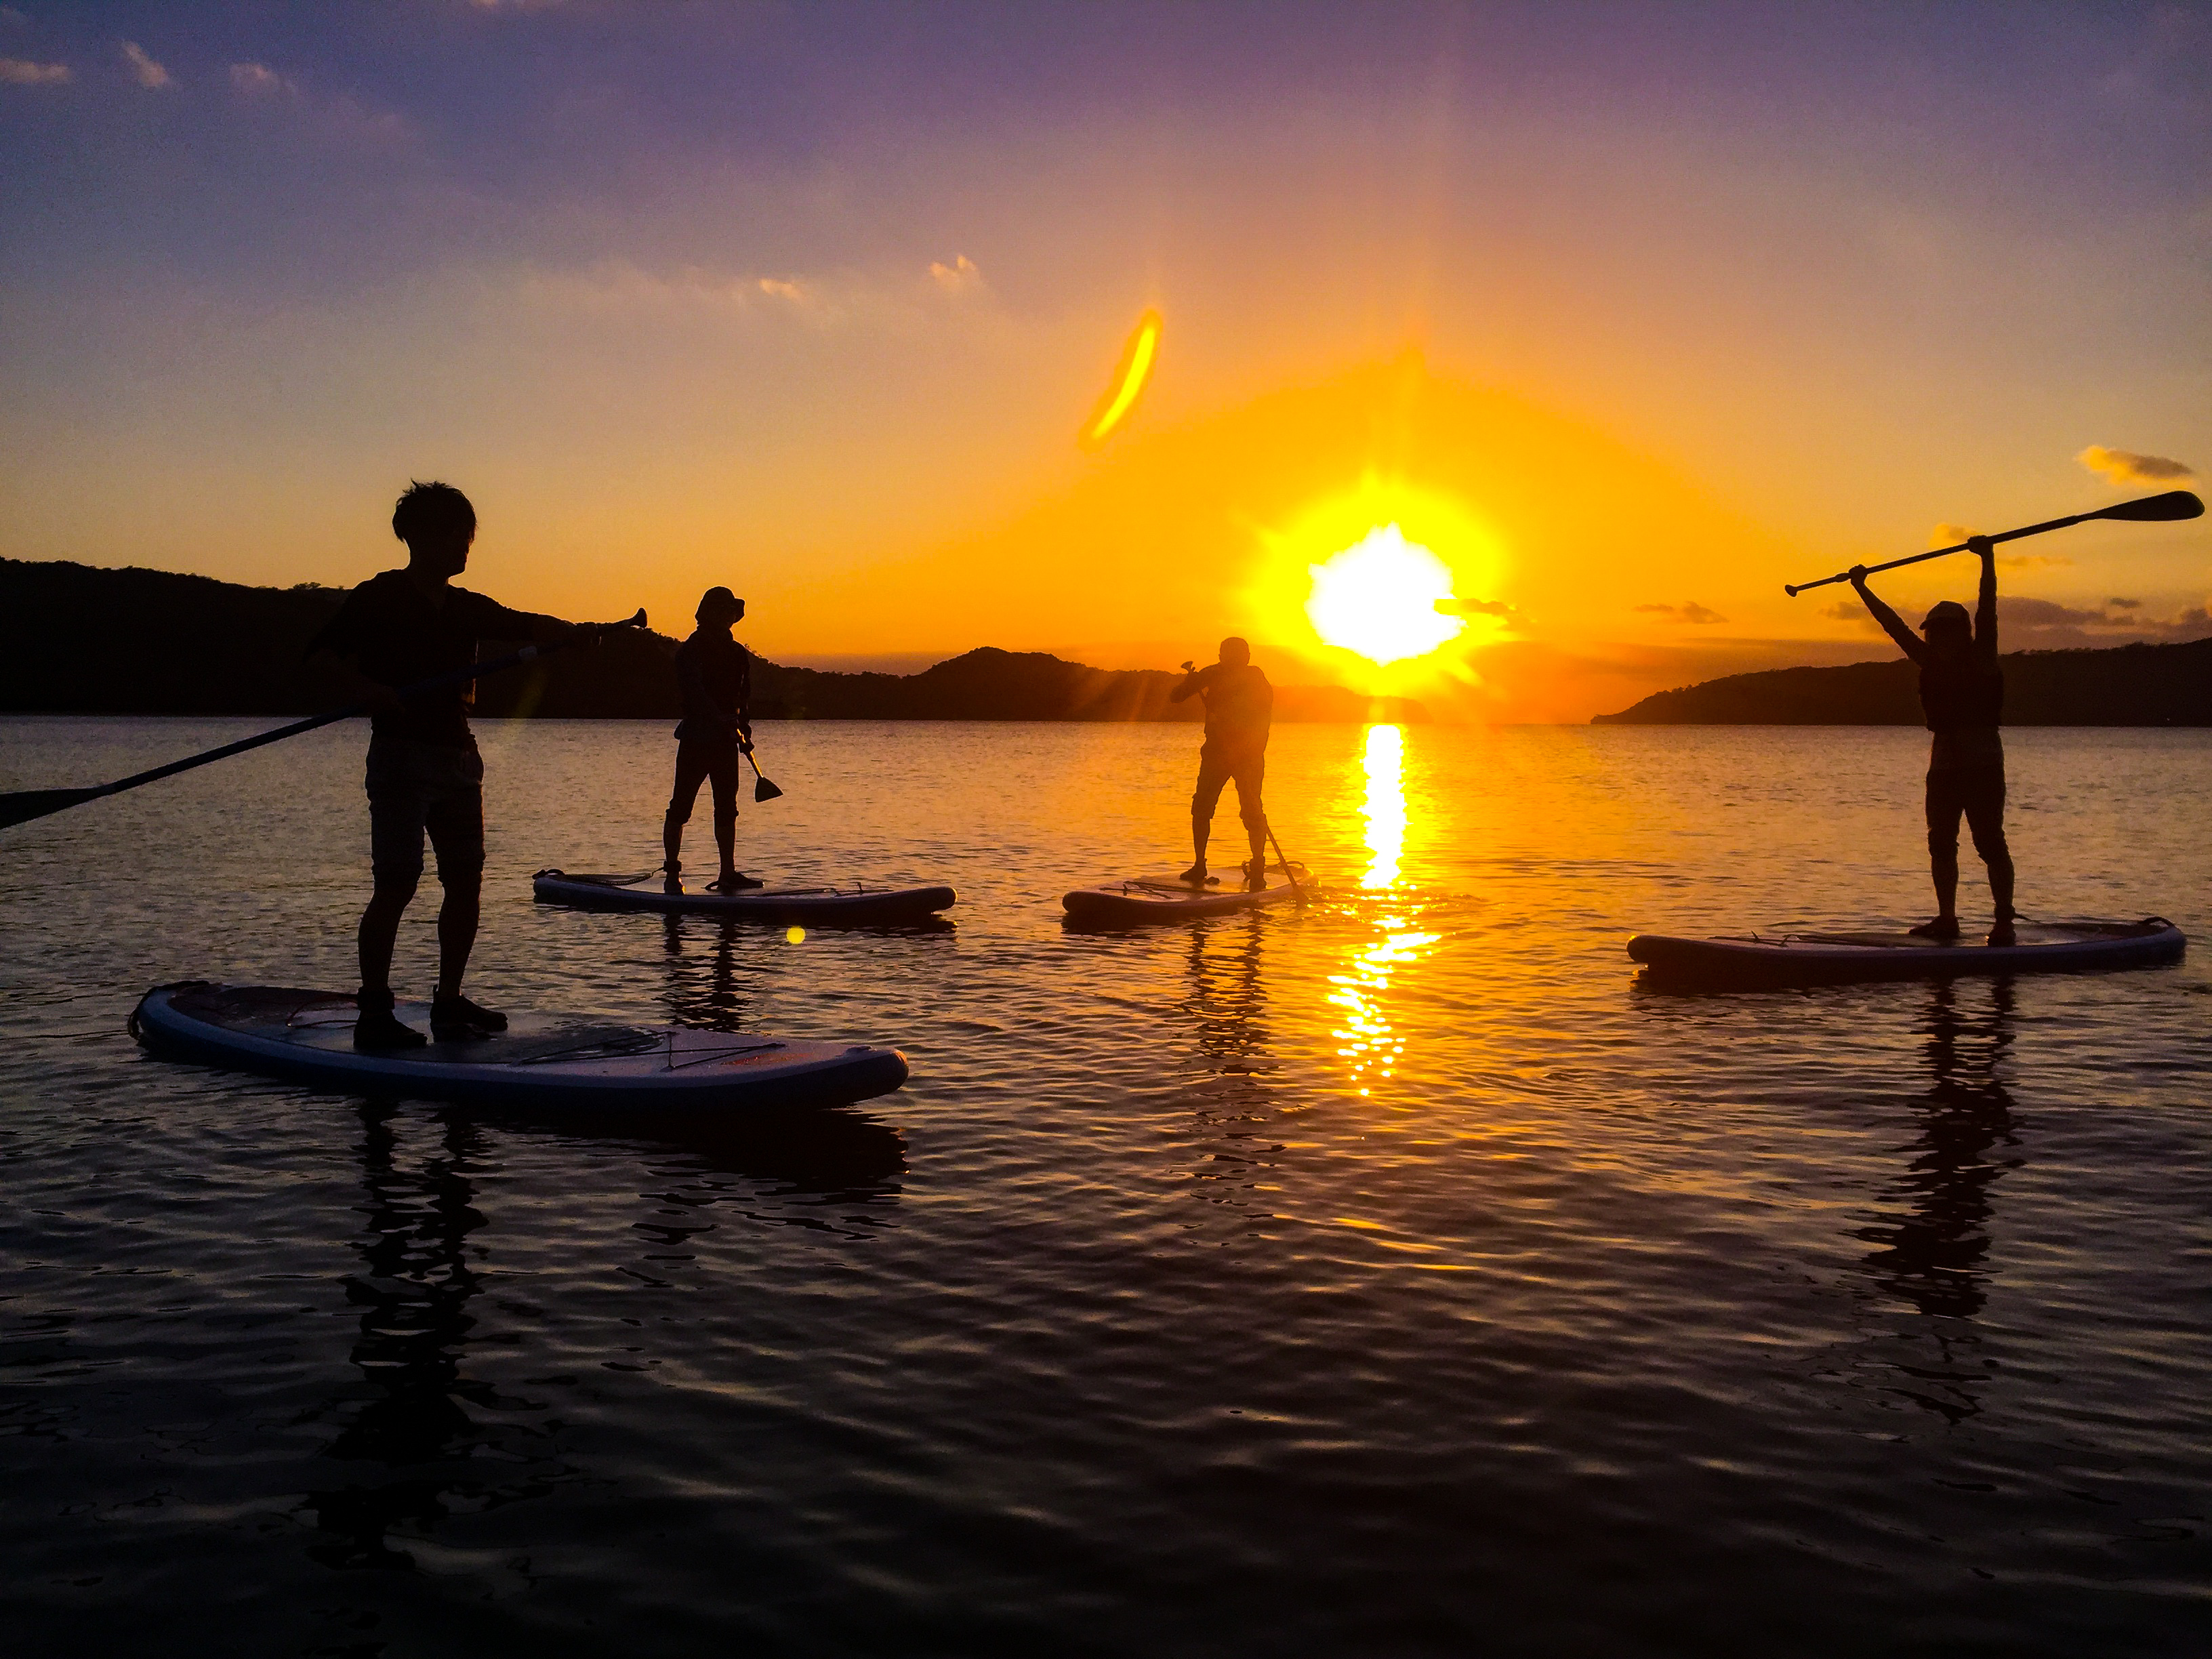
(1631, 334)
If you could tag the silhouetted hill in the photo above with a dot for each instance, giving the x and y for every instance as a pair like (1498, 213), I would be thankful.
(2128, 685)
(74, 639)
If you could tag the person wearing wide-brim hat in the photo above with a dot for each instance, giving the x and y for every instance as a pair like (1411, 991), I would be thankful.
(714, 673)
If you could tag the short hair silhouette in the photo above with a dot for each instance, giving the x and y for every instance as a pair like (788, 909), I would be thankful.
(718, 599)
(431, 509)
(1235, 651)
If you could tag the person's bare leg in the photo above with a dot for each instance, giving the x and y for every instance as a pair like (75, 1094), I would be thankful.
(1202, 830)
(671, 844)
(726, 843)
(457, 930)
(380, 932)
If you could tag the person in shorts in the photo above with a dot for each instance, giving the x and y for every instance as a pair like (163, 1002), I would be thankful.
(1239, 707)
(1962, 695)
(714, 673)
(424, 774)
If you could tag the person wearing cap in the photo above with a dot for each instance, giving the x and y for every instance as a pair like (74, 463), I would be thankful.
(1962, 695)
(714, 673)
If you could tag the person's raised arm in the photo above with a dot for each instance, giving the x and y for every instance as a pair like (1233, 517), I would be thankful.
(1193, 681)
(1985, 608)
(1892, 624)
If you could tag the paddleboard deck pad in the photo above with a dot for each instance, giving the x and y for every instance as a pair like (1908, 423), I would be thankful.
(818, 907)
(1754, 961)
(541, 1061)
(1143, 899)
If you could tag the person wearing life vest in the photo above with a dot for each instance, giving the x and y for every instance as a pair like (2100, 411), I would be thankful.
(1240, 707)
(1962, 695)
(714, 673)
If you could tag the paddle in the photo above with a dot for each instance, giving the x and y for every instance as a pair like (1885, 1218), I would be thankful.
(1284, 859)
(22, 806)
(763, 789)
(2173, 504)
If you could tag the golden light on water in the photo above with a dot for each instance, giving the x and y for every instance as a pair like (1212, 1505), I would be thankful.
(1369, 1043)
(1128, 383)
(1380, 596)
(1385, 808)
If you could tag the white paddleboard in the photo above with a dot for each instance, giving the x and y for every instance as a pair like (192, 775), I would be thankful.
(541, 1061)
(816, 907)
(1162, 898)
(1751, 961)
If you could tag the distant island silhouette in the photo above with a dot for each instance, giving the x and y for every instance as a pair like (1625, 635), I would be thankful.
(2123, 686)
(80, 639)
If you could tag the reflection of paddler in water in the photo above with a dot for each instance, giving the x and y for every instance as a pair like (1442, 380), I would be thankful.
(424, 775)
(1932, 1254)
(1226, 1010)
(1240, 707)
(714, 673)
(413, 1289)
(1962, 694)
(708, 1000)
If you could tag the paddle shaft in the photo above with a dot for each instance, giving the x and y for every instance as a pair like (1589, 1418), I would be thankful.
(1939, 552)
(2173, 504)
(1284, 858)
(435, 683)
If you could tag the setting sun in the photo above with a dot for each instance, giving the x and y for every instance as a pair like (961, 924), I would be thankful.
(1381, 598)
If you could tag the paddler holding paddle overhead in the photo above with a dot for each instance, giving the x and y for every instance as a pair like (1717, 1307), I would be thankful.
(715, 674)
(1240, 706)
(1962, 695)
(424, 773)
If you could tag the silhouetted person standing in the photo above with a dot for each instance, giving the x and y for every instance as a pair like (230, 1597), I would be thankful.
(715, 674)
(424, 774)
(1240, 706)
(1962, 694)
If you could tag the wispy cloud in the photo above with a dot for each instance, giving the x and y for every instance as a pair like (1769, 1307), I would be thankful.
(343, 117)
(1689, 611)
(2126, 466)
(143, 70)
(22, 72)
(259, 80)
(956, 277)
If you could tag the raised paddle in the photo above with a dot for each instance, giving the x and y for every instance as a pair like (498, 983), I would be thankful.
(22, 806)
(2150, 510)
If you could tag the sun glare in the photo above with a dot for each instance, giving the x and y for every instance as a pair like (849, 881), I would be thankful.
(1381, 599)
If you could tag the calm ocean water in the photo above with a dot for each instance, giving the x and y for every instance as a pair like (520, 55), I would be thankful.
(1395, 1278)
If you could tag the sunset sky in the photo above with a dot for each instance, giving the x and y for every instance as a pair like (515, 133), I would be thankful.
(1632, 313)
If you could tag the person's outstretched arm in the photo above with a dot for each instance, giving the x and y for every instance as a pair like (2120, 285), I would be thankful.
(1892, 624)
(1985, 609)
(1194, 681)
(496, 622)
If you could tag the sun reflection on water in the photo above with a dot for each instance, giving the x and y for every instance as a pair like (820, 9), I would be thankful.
(1371, 1045)
(1385, 807)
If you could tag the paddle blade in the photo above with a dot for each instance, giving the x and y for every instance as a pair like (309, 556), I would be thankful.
(764, 790)
(2174, 504)
(22, 806)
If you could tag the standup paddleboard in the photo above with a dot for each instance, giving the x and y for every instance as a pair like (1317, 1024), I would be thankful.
(542, 1062)
(1754, 961)
(818, 907)
(1143, 899)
